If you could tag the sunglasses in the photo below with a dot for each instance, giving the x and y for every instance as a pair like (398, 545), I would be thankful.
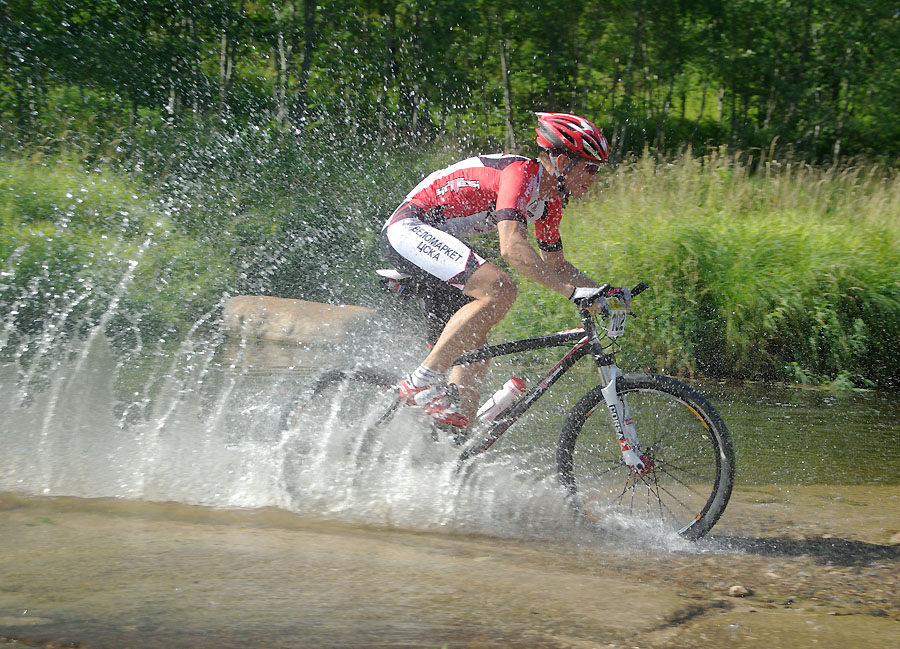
(591, 168)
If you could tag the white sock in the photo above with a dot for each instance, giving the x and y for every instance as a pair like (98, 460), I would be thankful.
(424, 376)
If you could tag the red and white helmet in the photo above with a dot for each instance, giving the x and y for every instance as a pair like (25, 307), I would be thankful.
(570, 133)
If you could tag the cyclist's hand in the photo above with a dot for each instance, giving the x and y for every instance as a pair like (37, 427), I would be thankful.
(623, 295)
(590, 299)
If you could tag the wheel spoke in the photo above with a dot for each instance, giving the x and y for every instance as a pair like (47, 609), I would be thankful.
(672, 495)
(669, 465)
(680, 481)
(655, 491)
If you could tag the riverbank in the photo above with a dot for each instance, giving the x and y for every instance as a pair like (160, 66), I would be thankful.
(816, 563)
(785, 273)
(788, 273)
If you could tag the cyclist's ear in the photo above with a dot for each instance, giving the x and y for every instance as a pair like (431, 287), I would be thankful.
(563, 161)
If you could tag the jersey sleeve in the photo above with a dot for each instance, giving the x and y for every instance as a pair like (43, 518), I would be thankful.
(546, 229)
(518, 182)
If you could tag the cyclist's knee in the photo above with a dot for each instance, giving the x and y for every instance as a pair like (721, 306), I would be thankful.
(505, 291)
(493, 286)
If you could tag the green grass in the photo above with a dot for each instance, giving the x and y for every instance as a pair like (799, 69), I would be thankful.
(75, 241)
(791, 274)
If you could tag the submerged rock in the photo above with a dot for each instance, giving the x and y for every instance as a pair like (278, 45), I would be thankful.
(738, 591)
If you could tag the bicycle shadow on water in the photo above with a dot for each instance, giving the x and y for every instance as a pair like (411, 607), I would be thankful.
(823, 550)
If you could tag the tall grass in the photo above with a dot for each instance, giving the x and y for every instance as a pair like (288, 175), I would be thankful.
(75, 241)
(791, 273)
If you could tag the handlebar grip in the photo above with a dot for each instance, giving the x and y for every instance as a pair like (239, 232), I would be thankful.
(640, 288)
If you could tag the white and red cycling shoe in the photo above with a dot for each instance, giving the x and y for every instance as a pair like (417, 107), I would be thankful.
(433, 399)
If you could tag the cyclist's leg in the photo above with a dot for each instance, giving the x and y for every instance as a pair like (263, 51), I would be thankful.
(464, 296)
(467, 379)
(430, 253)
(439, 303)
(492, 292)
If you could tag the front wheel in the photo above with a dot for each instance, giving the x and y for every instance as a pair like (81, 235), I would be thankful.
(688, 445)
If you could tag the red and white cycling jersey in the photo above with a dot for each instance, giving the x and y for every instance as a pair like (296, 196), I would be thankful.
(472, 196)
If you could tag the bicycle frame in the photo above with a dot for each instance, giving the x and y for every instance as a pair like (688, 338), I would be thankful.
(588, 466)
(586, 341)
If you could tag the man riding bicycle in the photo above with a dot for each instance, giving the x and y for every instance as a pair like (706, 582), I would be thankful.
(464, 294)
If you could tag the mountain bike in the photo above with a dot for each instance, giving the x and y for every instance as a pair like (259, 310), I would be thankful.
(645, 444)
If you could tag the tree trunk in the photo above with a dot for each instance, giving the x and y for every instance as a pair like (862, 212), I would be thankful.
(702, 109)
(842, 120)
(661, 129)
(172, 103)
(510, 144)
(309, 40)
(226, 69)
(799, 77)
(845, 107)
(585, 86)
(772, 101)
(628, 85)
(281, 78)
(387, 68)
(196, 70)
(226, 62)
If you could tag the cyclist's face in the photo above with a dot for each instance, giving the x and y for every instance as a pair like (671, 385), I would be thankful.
(581, 177)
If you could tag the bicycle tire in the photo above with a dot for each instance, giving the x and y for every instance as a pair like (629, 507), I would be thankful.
(690, 482)
(342, 396)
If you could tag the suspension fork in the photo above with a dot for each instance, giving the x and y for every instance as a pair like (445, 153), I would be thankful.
(626, 433)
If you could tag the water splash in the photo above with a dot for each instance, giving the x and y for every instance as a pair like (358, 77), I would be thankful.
(209, 436)
(116, 382)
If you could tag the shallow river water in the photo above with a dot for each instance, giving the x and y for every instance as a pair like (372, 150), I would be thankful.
(168, 520)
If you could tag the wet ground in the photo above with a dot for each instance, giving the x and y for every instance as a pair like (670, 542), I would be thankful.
(398, 554)
(820, 567)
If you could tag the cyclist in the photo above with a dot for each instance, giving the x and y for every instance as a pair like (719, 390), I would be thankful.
(464, 294)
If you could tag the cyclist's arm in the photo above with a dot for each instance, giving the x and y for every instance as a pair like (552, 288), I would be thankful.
(516, 250)
(558, 262)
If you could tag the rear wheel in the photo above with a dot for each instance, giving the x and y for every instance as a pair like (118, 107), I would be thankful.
(689, 446)
(359, 399)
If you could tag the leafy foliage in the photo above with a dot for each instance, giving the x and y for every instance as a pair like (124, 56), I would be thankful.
(817, 77)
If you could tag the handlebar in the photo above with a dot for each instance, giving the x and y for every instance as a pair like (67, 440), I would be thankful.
(640, 288)
(588, 320)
